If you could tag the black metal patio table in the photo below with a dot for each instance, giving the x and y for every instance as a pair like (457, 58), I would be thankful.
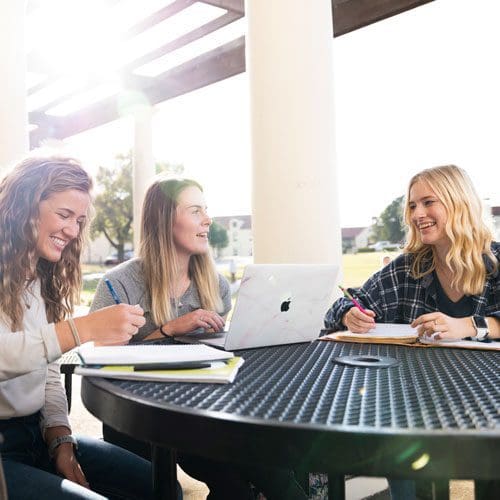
(433, 414)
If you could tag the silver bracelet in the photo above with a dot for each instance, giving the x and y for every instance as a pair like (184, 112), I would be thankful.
(74, 331)
(66, 438)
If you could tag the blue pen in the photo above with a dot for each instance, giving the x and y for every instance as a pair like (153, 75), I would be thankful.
(112, 291)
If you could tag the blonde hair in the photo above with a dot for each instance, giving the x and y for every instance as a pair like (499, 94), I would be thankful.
(31, 181)
(159, 257)
(469, 236)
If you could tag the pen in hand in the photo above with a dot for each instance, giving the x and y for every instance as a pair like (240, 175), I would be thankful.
(112, 291)
(354, 301)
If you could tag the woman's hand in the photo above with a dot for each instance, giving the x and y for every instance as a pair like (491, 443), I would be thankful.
(357, 321)
(67, 465)
(442, 327)
(113, 325)
(201, 318)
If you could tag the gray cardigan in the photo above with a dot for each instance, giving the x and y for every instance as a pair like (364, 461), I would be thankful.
(128, 281)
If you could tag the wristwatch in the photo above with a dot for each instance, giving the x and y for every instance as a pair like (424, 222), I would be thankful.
(67, 438)
(481, 326)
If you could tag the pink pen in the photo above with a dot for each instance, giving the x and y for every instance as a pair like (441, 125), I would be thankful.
(354, 301)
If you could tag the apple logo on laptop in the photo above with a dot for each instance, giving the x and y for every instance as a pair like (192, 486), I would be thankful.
(285, 305)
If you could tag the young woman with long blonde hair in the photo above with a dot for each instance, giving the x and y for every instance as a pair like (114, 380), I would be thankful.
(446, 283)
(174, 278)
(175, 282)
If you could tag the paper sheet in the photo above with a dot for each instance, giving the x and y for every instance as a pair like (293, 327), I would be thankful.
(137, 354)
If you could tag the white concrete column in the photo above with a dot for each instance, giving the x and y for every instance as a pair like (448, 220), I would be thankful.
(13, 114)
(143, 163)
(295, 215)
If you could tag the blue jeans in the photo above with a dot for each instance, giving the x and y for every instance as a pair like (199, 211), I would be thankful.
(402, 489)
(111, 471)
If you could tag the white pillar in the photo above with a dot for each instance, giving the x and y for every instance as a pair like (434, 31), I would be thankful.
(143, 164)
(295, 215)
(13, 114)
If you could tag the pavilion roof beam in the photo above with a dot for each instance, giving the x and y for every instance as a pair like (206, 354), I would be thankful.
(36, 63)
(223, 62)
(237, 6)
(127, 71)
(220, 63)
(350, 15)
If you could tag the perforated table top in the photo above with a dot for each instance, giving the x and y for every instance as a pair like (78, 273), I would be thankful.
(302, 405)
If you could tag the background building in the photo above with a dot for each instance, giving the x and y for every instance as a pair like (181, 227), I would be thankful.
(239, 232)
(354, 238)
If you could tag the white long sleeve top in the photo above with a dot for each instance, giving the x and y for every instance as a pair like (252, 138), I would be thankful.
(29, 378)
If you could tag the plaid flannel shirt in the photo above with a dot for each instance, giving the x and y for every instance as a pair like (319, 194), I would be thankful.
(395, 297)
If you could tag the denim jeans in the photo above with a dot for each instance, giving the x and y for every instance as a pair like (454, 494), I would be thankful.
(225, 480)
(111, 471)
(402, 489)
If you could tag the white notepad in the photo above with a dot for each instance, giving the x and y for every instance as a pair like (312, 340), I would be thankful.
(384, 333)
(140, 354)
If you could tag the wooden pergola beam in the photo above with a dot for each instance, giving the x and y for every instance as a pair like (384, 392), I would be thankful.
(350, 15)
(221, 63)
(218, 64)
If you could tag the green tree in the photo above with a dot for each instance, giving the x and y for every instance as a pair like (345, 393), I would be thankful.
(217, 236)
(389, 225)
(114, 203)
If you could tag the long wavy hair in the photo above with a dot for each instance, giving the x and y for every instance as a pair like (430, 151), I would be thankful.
(159, 256)
(31, 181)
(470, 238)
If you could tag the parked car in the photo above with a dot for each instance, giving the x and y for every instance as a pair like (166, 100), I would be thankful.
(383, 245)
(112, 260)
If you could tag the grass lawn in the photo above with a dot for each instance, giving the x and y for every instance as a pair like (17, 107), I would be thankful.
(359, 267)
(90, 283)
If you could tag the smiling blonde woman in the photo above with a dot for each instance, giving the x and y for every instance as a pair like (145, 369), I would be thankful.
(174, 278)
(175, 282)
(447, 281)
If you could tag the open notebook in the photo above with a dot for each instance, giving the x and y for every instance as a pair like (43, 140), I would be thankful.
(129, 362)
(395, 333)
(145, 354)
(219, 372)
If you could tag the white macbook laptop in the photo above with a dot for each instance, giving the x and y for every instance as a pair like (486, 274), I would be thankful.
(276, 304)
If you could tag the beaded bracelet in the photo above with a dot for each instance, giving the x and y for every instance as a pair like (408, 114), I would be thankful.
(74, 331)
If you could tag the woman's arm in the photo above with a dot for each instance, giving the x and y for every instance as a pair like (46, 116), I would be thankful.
(26, 351)
(55, 409)
(443, 327)
(200, 318)
(381, 294)
(55, 423)
(343, 313)
(493, 327)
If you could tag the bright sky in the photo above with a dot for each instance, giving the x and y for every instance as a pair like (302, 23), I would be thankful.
(414, 91)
